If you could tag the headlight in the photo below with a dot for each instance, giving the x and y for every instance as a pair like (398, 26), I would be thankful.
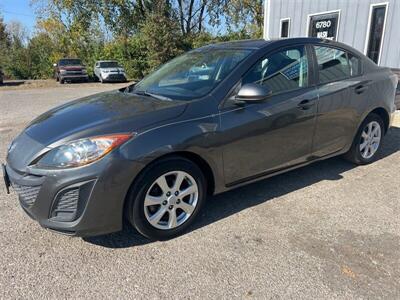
(105, 71)
(84, 71)
(83, 151)
(63, 71)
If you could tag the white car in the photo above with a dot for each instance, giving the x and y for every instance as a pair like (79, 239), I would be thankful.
(109, 70)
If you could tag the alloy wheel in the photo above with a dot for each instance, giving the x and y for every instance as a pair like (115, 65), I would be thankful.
(370, 139)
(171, 200)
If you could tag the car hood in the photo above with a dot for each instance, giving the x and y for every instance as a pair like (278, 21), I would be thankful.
(104, 113)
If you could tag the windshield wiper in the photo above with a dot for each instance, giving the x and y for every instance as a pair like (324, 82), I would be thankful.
(159, 97)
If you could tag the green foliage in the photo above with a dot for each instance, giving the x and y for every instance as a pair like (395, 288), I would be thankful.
(162, 38)
(40, 49)
(5, 42)
(140, 35)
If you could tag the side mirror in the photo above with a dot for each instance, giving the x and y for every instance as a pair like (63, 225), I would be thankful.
(54, 65)
(253, 92)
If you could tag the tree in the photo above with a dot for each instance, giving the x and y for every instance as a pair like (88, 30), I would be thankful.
(191, 15)
(240, 15)
(140, 34)
(161, 35)
(5, 42)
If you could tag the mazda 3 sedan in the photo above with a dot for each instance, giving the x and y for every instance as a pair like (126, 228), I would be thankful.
(211, 120)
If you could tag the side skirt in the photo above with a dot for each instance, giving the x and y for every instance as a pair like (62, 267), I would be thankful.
(269, 174)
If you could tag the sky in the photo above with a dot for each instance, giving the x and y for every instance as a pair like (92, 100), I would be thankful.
(18, 10)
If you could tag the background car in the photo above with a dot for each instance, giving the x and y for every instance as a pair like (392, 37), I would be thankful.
(70, 69)
(1, 76)
(109, 71)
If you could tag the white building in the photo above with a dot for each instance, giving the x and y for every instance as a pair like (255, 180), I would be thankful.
(367, 25)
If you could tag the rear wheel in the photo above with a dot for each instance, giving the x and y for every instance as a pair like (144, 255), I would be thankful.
(166, 198)
(367, 143)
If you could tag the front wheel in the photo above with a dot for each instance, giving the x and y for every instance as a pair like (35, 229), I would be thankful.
(368, 140)
(166, 198)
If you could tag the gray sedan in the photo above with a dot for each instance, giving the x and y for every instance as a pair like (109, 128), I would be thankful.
(208, 121)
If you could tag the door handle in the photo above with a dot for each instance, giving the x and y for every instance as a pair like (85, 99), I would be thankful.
(306, 104)
(361, 89)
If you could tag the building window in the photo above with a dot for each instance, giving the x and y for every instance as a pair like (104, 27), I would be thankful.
(377, 20)
(324, 25)
(285, 28)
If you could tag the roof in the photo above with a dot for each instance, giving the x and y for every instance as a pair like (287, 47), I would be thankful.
(261, 43)
(100, 61)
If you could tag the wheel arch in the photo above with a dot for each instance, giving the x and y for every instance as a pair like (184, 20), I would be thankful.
(191, 156)
(197, 160)
(383, 113)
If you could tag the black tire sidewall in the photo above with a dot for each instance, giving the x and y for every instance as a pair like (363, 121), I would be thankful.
(359, 158)
(137, 194)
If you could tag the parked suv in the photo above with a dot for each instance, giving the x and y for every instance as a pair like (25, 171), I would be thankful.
(109, 70)
(70, 69)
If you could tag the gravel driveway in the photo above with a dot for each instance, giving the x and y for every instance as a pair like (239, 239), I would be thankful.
(329, 230)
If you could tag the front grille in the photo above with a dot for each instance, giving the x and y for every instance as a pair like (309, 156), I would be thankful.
(74, 72)
(115, 76)
(27, 194)
(66, 204)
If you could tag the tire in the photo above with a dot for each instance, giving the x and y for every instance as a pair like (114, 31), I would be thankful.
(359, 152)
(62, 81)
(139, 211)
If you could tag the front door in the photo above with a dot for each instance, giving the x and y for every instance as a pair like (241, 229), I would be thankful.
(264, 137)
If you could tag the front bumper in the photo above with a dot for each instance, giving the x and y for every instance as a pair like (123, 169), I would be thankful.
(77, 77)
(113, 76)
(84, 201)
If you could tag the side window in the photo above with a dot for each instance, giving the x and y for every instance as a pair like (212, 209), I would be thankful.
(355, 64)
(281, 71)
(332, 64)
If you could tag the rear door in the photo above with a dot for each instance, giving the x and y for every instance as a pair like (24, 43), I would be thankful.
(339, 91)
(264, 137)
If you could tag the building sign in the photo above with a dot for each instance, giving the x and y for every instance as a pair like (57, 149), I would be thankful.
(324, 26)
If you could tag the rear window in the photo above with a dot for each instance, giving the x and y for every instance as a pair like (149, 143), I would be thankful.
(332, 64)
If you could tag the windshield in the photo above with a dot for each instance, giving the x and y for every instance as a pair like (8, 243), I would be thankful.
(69, 62)
(191, 75)
(108, 64)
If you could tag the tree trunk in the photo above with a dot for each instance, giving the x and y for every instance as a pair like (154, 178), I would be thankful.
(189, 18)
(203, 6)
(181, 17)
